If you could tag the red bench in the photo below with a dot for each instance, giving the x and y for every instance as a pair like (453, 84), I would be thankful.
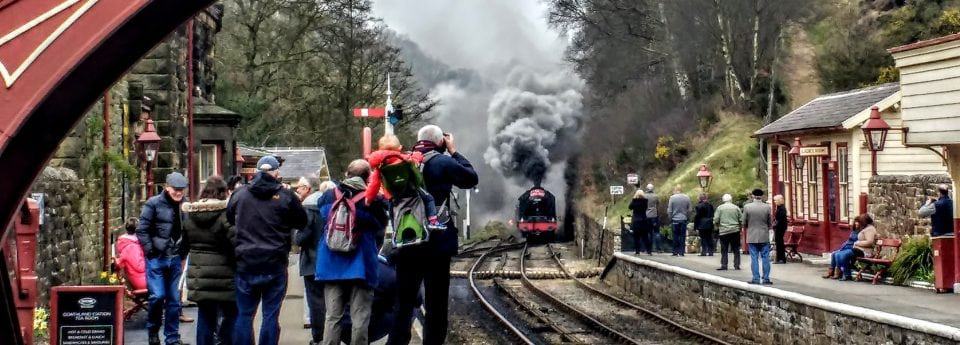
(880, 262)
(791, 242)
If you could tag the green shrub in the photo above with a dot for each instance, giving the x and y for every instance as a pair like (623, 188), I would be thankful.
(914, 262)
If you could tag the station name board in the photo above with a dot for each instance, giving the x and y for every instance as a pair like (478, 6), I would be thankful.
(814, 151)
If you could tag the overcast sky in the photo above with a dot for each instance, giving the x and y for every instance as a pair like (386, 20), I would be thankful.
(476, 34)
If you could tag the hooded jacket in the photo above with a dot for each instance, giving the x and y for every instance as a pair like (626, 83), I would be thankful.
(360, 264)
(210, 240)
(264, 214)
(131, 261)
(160, 227)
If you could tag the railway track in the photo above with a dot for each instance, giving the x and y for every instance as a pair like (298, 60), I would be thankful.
(575, 325)
(685, 332)
(513, 330)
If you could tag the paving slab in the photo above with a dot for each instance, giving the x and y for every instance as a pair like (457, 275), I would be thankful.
(806, 279)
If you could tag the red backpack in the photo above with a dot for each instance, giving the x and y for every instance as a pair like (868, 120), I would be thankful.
(341, 223)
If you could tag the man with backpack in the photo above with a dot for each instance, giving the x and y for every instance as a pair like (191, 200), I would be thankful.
(347, 255)
(429, 263)
(264, 214)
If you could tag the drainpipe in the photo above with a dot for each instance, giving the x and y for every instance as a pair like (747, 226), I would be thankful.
(191, 169)
(106, 181)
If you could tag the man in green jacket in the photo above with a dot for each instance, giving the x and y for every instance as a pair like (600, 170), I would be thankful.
(727, 220)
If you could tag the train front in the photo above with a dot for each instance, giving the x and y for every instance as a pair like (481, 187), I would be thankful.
(537, 213)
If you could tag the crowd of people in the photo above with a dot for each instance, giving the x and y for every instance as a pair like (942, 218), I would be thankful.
(238, 239)
(731, 225)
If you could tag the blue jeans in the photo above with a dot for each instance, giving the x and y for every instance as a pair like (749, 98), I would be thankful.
(163, 280)
(760, 251)
(266, 290)
(679, 238)
(843, 259)
(211, 327)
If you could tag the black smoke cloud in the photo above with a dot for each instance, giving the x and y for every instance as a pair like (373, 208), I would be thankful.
(534, 123)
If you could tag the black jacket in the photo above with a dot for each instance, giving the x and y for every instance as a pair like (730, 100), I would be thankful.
(639, 212)
(210, 239)
(308, 237)
(160, 227)
(703, 220)
(441, 174)
(264, 214)
(781, 219)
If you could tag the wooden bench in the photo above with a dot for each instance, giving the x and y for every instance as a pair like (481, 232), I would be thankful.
(880, 262)
(791, 242)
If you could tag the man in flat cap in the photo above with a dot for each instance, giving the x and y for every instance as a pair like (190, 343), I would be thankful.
(160, 233)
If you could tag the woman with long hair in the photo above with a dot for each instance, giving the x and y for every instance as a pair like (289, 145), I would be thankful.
(210, 277)
(863, 238)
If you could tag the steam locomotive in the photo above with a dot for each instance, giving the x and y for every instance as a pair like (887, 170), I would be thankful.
(537, 214)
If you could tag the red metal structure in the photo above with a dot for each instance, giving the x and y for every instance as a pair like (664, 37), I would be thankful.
(56, 59)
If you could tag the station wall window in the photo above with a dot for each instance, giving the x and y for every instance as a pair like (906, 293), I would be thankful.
(843, 176)
(813, 187)
(208, 161)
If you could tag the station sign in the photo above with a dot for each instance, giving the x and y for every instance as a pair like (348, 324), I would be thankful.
(86, 315)
(633, 179)
(814, 151)
(616, 190)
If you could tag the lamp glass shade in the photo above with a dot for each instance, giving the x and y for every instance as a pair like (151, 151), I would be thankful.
(876, 138)
(798, 162)
(150, 151)
(704, 181)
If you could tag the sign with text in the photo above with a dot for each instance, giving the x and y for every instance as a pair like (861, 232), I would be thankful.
(86, 315)
(633, 179)
(616, 190)
(814, 151)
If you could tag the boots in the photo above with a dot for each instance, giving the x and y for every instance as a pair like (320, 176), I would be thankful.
(832, 273)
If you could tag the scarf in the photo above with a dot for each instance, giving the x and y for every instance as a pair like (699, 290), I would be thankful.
(425, 146)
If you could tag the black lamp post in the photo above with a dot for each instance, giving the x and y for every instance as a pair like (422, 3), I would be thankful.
(875, 130)
(149, 142)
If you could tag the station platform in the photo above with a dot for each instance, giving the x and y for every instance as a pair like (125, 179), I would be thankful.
(805, 279)
(292, 331)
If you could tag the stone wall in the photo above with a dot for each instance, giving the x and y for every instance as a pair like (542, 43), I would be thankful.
(588, 233)
(68, 250)
(754, 316)
(893, 202)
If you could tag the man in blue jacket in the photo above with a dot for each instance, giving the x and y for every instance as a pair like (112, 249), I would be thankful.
(940, 212)
(430, 264)
(350, 277)
(264, 214)
(160, 233)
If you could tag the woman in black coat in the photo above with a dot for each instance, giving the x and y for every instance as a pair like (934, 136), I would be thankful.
(210, 277)
(703, 221)
(639, 223)
(780, 229)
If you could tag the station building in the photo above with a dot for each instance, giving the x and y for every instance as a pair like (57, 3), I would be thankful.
(820, 161)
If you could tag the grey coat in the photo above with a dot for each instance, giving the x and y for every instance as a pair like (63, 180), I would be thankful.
(652, 202)
(757, 220)
(679, 207)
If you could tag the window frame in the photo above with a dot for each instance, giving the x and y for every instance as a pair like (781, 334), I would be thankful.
(813, 187)
(217, 160)
(843, 180)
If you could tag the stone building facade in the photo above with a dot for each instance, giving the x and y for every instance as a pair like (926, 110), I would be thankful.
(71, 242)
(894, 201)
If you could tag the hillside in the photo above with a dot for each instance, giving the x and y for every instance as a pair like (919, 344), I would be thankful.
(728, 151)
